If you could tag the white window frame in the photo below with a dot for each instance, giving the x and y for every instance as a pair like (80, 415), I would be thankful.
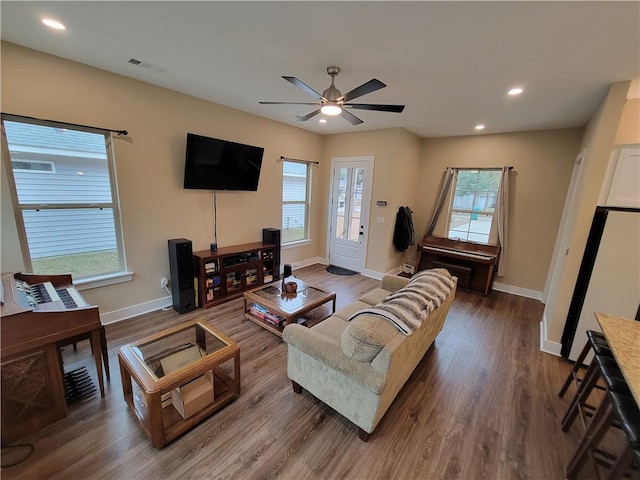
(306, 202)
(122, 274)
(451, 210)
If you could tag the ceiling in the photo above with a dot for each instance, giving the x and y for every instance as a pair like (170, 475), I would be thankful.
(450, 63)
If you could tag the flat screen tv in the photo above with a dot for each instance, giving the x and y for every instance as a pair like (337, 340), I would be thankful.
(213, 164)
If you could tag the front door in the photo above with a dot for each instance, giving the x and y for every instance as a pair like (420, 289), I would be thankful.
(352, 178)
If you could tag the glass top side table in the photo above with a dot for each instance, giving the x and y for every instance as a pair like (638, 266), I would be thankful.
(152, 368)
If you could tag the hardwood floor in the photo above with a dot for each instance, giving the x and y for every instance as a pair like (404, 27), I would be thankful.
(482, 404)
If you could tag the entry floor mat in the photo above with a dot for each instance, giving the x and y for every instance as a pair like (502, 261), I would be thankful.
(340, 271)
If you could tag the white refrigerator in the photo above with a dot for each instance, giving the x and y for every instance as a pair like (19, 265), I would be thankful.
(609, 277)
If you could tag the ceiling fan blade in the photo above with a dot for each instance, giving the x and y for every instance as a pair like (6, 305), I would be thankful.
(379, 108)
(289, 103)
(309, 115)
(371, 86)
(351, 117)
(304, 87)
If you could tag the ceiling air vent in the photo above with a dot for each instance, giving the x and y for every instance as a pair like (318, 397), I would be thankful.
(146, 66)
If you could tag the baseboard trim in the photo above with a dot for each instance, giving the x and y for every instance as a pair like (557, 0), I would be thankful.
(372, 274)
(309, 262)
(547, 346)
(521, 292)
(135, 310)
(157, 304)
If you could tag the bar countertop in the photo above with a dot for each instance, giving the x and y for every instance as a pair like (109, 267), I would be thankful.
(623, 336)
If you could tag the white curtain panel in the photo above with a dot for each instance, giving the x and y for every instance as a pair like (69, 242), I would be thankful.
(502, 214)
(450, 175)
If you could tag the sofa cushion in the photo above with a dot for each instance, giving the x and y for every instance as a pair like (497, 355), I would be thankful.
(348, 311)
(331, 328)
(366, 336)
(375, 296)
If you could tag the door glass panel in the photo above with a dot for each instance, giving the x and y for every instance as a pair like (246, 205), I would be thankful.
(339, 227)
(349, 211)
(355, 204)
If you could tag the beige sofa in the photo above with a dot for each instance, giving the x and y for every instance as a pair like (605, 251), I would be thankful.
(358, 367)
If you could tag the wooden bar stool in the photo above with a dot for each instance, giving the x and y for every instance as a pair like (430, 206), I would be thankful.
(615, 407)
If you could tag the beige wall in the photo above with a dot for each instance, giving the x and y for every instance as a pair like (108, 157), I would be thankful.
(406, 181)
(598, 141)
(150, 163)
(542, 161)
(396, 155)
(629, 128)
(407, 172)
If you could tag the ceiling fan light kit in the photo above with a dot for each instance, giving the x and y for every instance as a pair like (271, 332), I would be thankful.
(331, 109)
(332, 102)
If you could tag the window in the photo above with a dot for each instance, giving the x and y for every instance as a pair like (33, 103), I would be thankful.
(295, 200)
(474, 203)
(66, 200)
(32, 166)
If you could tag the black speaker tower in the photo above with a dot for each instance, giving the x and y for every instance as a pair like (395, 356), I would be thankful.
(181, 269)
(272, 235)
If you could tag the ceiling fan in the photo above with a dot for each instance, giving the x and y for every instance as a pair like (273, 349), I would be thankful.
(333, 102)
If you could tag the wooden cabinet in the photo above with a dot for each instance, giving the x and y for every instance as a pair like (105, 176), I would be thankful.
(224, 274)
(33, 394)
(621, 187)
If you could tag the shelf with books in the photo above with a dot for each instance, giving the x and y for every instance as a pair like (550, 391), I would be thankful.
(260, 312)
(276, 322)
(224, 274)
(212, 287)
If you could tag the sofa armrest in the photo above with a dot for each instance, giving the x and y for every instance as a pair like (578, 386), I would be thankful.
(393, 282)
(330, 353)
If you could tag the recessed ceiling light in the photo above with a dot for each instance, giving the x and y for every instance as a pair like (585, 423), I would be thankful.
(515, 91)
(323, 120)
(479, 127)
(53, 24)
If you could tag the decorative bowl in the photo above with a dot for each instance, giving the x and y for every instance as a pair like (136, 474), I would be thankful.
(290, 287)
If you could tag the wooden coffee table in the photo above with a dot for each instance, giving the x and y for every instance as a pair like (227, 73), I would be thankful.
(166, 361)
(272, 309)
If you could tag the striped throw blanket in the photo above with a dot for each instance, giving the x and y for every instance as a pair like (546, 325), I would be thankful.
(408, 307)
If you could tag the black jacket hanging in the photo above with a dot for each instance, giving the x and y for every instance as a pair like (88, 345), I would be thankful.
(403, 233)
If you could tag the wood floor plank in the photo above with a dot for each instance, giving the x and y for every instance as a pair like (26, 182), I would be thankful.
(481, 404)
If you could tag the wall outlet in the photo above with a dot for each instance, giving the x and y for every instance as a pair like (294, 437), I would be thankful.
(164, 282)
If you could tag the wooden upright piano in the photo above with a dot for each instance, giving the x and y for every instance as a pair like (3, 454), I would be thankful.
(39, 315)
(473, 263)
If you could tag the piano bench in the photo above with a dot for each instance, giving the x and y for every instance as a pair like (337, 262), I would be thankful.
(463, 272)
